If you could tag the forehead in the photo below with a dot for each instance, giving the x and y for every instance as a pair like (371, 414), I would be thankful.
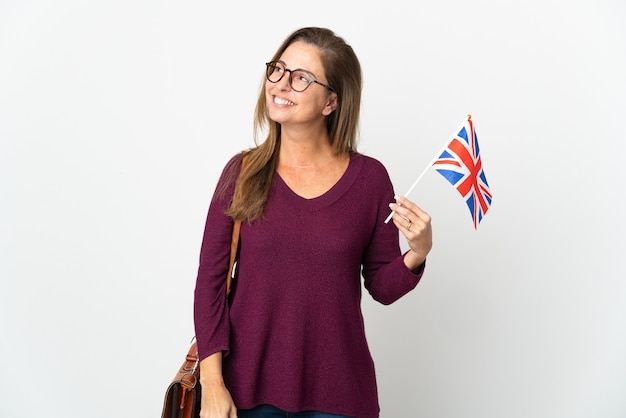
(302, 55)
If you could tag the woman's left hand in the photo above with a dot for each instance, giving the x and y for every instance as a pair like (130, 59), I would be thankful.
(414, 224)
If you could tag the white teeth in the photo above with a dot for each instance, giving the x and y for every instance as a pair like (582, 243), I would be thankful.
(280, 101)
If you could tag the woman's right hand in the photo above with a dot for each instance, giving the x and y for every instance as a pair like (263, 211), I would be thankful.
(216, 401)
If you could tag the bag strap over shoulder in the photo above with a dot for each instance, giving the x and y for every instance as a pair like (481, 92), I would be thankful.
(234, 243)
(233, 254)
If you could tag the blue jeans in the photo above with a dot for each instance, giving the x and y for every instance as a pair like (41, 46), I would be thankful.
(269, 411)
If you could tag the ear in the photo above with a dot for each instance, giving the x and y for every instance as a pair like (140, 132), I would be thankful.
(331, 104)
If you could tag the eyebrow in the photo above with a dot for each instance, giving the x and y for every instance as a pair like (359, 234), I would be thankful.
(299, 69)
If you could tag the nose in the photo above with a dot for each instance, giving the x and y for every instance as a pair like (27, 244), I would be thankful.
(285, 82)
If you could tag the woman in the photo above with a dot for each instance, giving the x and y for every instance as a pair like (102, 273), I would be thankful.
(290, 340)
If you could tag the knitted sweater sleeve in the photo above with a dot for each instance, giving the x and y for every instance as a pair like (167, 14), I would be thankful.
(386, 276)
(211, 314)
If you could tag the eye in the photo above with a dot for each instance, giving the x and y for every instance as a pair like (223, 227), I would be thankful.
(302, 77)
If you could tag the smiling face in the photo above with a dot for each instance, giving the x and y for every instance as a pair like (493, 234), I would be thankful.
(289, 107)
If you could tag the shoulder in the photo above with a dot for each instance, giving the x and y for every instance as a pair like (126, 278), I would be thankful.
(370, 177)
(233, 165)
(370, 166)
(372, 189)
(235, 161)
(230, 172)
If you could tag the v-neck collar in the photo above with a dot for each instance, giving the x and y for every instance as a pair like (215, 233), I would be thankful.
(330, 196)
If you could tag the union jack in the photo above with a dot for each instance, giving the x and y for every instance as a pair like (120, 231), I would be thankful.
(461, 165)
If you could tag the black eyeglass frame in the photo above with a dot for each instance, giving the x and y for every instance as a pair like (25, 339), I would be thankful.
(312, 80)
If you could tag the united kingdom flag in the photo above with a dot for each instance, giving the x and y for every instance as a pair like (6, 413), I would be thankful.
(461, 165)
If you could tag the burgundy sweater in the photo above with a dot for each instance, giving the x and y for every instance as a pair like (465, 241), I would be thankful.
(292, 330)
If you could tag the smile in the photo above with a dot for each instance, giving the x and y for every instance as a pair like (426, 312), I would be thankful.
(283, 102)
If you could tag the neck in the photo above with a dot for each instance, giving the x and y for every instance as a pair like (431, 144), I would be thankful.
(305, 152)
(306, 158)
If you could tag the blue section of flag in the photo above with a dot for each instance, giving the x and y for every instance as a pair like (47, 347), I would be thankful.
(452, 176)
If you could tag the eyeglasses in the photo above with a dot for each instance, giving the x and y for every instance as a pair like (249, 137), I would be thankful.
(299, 80)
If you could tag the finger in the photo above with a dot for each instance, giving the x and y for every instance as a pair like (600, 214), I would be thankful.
(413, 208)
(412, 227)
(403, 201)
(421, 214)
(401, 220)
(398, 212)
(402, 212)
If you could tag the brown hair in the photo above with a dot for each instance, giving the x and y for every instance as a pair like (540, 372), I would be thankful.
(343, 74)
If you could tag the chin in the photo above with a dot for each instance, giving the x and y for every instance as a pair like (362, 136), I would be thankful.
(277, 117)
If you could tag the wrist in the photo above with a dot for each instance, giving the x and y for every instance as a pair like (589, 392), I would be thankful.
(211, 370)
(211, 381)
(413, 261)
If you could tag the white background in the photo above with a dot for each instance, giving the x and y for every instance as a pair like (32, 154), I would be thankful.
(116, 118)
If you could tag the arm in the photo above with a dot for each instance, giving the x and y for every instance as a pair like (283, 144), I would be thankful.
(388, 274)
(211, 313)
(216, 400)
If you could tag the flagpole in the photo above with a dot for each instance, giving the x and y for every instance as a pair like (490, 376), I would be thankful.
(418, 179)
(469, 117)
